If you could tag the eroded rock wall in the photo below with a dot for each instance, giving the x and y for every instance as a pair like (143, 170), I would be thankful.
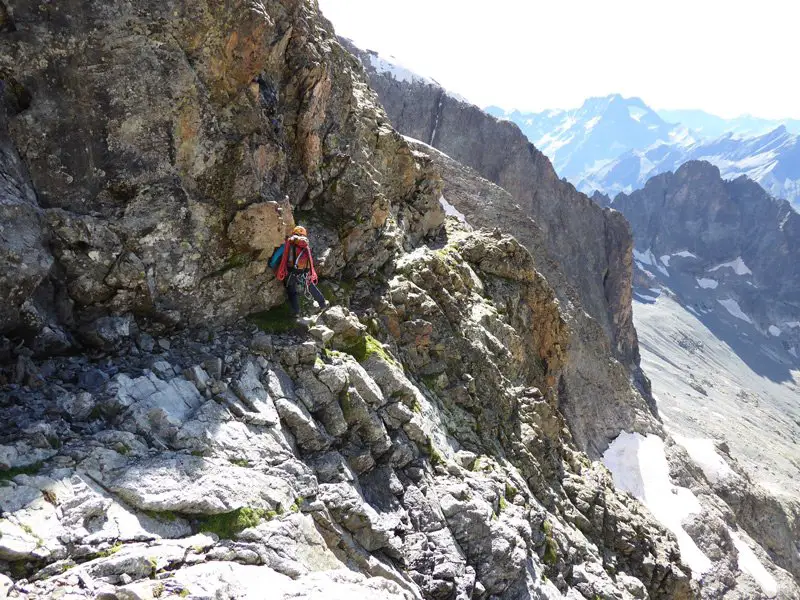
(592, 245)
(150, 127)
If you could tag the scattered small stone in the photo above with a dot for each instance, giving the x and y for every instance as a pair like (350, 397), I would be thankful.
(146, 343)
(261, 344)
(163, 343)
(213, 367)
(163, 369)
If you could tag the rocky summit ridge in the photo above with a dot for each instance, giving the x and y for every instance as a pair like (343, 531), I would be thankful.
(169, 435)
(459, 131)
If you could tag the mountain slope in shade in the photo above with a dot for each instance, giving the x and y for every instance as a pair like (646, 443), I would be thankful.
(772, 159)
(717, 312)
(739, 247)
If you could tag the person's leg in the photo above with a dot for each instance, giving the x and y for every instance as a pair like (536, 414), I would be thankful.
(291, 291)
(317, 294)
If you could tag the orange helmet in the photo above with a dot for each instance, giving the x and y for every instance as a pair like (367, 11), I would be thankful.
(299, 231)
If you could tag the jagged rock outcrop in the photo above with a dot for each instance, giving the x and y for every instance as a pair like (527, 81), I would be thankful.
(718, 221)
(597, 266)
(588, 374)
(433, 463)
(144, 170)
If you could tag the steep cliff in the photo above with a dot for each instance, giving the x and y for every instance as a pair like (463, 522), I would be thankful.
(406, 443)
(595, 393)
(150, 131)
(597, 266)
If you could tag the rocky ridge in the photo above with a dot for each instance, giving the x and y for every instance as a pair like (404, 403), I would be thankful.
(738, 243)
(308, 453)
(409, 444)
(596, 266)
(724, 493)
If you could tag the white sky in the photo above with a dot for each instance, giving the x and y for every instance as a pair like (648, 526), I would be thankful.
(727, 57)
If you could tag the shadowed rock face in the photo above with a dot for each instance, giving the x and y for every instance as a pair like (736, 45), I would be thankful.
(147, 127)
(592, 244)
(696, 210)
(745, 244)
(24, 258)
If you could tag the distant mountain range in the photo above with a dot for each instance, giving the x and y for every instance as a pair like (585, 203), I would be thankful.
(709, 125)
(616, 144)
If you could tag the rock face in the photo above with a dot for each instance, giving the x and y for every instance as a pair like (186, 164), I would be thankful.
(744, 244)
(407, 444)
(262, 227)
(597, 266)
(149, 172)
(588, 374)
(432, 463)
(24, 258)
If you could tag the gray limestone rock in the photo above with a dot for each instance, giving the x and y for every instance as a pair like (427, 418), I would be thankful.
(196, 485)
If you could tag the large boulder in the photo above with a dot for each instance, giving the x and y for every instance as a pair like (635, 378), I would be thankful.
(24, 258)
(262, 227)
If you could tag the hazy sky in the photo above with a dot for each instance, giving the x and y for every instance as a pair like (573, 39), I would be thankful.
(726, 57)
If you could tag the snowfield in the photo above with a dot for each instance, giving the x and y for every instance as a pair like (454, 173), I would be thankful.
(732, 306)
(707, 284)
(737, 265)
(639, 466)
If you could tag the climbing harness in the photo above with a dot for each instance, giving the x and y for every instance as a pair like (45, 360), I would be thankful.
(305, 283)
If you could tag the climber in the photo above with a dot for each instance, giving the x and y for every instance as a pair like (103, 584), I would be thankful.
(296, 267)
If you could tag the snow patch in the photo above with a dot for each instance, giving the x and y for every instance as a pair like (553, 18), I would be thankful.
(792, 324)
(452, 211)
(428, 146)
(665, 259)
(591, 123)
(685, 254)
(749, 563)
(644, 257)
(648, 258)
(774, 330)
(732, 306)
(645, 297)
(705, 456)
(639, 466)
(737, 265)
(707, 284)
(390, 66)
(636, 113)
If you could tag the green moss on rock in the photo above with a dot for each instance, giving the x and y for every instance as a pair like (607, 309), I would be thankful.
(366, 346)
(227, 525)
(275, 320)
(31, 469)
